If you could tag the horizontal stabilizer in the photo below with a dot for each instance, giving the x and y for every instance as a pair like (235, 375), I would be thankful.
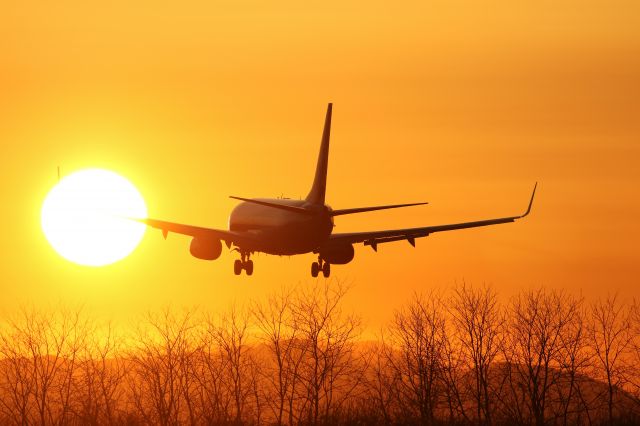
(274, 205)
(369, 209)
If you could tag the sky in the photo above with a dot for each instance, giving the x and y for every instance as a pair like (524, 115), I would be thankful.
(460, 103)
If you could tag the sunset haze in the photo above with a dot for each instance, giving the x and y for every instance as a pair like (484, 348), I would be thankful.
(462, 104)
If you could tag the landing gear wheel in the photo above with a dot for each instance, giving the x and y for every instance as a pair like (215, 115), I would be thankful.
(237, 267)
(315, 268)
(248, 267)
(326, 269)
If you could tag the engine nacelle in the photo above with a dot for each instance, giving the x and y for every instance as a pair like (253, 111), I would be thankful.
(205, 249)
(338, 254)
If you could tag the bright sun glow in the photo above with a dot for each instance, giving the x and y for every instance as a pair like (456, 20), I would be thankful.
(84, 217)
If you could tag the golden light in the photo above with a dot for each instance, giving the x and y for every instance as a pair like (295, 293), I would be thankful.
(84, 217)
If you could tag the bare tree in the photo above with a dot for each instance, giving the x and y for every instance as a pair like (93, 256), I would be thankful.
(210, 367)
(634, 358)
(161, 359)
(382, 384)
(611, 340)
(231, 335)
(532, 348)
(17, 383)
(477, 322)
(275, 322)
(330, 371)
(417, 343)
(574, 360)
(454, 369)
(101, 378)
(41, 351)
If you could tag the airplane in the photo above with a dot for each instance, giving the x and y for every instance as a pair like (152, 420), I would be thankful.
(288, 227)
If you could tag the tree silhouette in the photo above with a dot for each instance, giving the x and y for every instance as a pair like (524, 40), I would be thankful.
(459, 357)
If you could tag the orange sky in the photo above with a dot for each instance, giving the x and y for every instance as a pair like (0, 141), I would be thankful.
(461, 103)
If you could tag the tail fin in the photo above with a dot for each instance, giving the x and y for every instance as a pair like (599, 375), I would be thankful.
(319, 187)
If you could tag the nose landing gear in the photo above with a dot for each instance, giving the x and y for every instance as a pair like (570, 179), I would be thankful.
(320, 265)
(243, 263)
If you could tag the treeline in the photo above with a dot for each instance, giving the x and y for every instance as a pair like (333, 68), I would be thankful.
(459, 357)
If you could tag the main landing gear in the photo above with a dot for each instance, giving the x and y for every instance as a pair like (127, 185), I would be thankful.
(320, 265)
(243, 263)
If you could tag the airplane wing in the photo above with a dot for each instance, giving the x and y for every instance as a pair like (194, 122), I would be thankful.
(410, 234)
(229, 237)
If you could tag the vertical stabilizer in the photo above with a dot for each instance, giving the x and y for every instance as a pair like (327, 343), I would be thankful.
(318, 189)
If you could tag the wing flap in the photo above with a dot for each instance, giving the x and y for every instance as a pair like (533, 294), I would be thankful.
(410, 237)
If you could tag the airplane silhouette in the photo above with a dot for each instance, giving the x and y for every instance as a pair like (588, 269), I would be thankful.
(289, 227)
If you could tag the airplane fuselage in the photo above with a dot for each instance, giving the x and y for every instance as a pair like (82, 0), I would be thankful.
(282, 232)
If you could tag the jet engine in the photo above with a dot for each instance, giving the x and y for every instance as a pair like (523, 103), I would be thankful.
(338, 254)
(205, 249)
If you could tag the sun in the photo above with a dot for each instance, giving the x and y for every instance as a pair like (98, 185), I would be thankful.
(85, 217)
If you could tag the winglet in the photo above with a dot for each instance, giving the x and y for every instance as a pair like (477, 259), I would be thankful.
(533, 194)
